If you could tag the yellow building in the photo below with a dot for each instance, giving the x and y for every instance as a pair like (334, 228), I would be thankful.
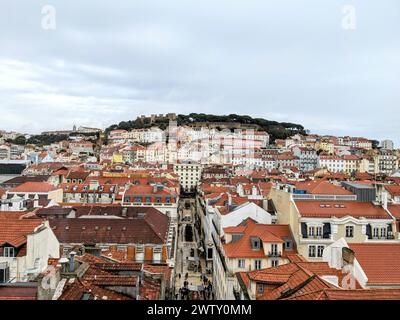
(117, 158)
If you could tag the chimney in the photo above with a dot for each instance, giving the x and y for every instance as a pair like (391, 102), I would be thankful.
(63, 261)
(229, 199)
(347, 256)
(72, 261)
(385, 200)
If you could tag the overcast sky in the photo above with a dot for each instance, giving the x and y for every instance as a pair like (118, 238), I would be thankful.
(286, 60)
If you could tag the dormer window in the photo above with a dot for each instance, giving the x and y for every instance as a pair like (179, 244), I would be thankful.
(9, 252)
(255, 243)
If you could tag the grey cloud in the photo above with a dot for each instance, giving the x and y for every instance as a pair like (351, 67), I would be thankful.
(286, 60)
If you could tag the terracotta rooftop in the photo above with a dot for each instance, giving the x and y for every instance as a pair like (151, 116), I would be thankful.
(22, 179)
(15, 231)
(33, 187)
(147, 229)
(100, 277)
(380, 262)
(241, 248)
(296, 280)
(18, 292)
(339, 209)
(321, 187)
(394, 190)
(394, 209)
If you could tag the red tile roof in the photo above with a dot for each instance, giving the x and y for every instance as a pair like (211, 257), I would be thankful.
(18, 292)
(380, 262)
(33, 187)
(151, 229)
(394, 190)
(296, 280)
(339, 209)
(321, 187)
(291, 279)
(266, 232)
(360, 294)
(101, 276)
(394, 209)
(14, 232)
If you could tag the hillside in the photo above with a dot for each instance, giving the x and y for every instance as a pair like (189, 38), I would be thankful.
(277, 130)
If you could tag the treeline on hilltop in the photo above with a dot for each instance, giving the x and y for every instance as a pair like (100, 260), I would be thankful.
(276, 130)
(47, 139)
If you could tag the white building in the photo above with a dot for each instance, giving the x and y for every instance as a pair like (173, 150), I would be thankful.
(25, 247)
(332, 163)
(387, 144)
(189, 175)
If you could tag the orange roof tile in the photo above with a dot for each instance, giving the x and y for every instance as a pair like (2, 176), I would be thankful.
(34, 187)
(340, 209)
(394, 190)
(241, 248)
(394, 209)
(321, 187)
(380, 262)
(15, 231)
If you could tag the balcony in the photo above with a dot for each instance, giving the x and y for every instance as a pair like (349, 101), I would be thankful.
(315, 237)
(327, 238)
(388, 237)
(274, 254)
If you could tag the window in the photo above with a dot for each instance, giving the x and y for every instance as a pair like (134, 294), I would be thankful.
(139, 253)
(4, 273)
(260, 288)
(375, 233)
(241, 263)
(315, 231)
(168, 200)
(137, 199)
(257, 264)
(148, 199)
(9, 252)
(383, 232)
(349, 231)
(274, 249)
(311, 251)
(255, 243)
(274, 263)
(157, 252)
(320, 251)
(158, 200)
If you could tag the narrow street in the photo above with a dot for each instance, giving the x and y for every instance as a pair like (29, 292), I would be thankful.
(191, 280)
